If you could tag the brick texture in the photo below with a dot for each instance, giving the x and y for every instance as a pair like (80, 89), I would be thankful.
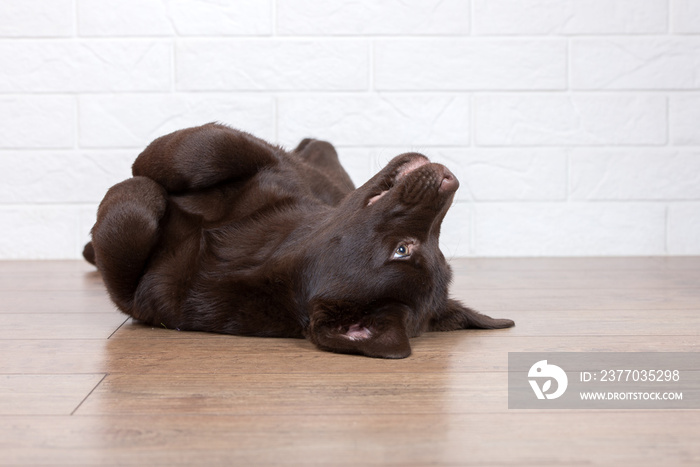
(573, 125)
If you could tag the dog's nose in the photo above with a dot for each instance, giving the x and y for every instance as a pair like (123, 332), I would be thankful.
(449, 182)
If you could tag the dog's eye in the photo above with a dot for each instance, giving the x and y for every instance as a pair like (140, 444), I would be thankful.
(402, 251)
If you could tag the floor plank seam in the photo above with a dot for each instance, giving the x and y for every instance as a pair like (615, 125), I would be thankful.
(118, 328)
(89, 394)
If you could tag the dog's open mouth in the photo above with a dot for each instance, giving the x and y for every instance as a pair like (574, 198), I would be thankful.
(410, 166)
(401, 173)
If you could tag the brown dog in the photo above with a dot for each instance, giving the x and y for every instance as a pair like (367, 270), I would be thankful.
(220, 231)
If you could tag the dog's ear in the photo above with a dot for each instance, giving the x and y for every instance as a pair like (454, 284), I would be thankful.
(345, 327)
(457, 316)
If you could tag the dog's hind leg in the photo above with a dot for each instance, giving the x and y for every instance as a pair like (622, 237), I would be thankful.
(201, 157)
(335, 182)
(126, 231)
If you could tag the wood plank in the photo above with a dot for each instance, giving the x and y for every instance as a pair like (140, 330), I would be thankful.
(544, 299)
(49, 356)
(578, 279)
(462, 351)
(622, 438)
(188, 353)
(55, 301)
(660, 322)
(47, 280)
(11, 267)
(44, 394)
(341, 394)
(59, 326)
(605, 323)
(625, 263)
(299, 394)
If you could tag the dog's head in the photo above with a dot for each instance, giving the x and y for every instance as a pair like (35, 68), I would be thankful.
(377, 273)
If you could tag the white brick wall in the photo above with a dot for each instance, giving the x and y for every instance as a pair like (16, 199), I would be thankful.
(573, 125)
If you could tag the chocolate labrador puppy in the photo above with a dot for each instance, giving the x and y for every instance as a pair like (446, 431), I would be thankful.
(220, 231)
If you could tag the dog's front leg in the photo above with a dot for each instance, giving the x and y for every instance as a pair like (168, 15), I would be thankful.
(344, 327)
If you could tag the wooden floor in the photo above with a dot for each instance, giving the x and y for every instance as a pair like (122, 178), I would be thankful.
(82, 385)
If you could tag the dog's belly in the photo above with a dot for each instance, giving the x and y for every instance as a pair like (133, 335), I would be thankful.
(233, 276)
